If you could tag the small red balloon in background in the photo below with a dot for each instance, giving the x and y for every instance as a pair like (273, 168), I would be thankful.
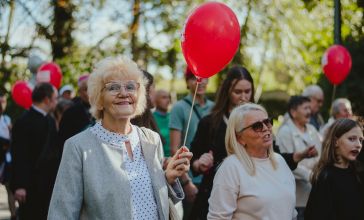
(50, 72)
(22, 94)
(210, 38)
(336, 64)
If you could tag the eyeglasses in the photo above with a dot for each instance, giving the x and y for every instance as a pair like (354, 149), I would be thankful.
(259, 125)
(114, 88)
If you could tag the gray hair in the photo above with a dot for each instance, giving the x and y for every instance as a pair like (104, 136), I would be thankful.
(335, 108)
(311, 90)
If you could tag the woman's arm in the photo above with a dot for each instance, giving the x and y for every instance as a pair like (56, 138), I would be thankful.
(67, 194)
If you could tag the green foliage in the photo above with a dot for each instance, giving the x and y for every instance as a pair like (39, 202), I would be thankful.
(282, 41)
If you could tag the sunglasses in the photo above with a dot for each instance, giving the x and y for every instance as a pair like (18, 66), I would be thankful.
(114, 88)
(259, 125)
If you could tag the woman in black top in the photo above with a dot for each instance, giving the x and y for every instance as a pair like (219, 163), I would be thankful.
(208, 146)
(337, 179)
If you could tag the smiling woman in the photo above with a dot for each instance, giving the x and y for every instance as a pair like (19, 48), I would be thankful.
(113, 170)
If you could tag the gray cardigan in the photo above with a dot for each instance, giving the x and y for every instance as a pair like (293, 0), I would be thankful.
(92, 183)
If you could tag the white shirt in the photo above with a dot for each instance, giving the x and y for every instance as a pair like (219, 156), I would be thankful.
(267, 195)
(44, 113)
(4, 126)
(142, 197)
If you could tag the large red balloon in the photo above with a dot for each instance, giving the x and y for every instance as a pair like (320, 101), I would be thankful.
(50, 72)
(210, 38)
(336, 64)
(22, 94)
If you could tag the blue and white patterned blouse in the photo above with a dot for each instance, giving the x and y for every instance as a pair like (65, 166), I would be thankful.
(142, 197)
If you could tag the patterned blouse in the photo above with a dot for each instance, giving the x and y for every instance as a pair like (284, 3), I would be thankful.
(142, 197)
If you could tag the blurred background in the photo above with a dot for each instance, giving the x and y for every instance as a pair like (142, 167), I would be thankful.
(282, 42)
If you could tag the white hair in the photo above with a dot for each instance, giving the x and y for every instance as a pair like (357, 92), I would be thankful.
(312, 90)
(335, 108)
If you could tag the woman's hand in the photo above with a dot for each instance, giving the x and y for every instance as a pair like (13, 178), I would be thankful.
(178, 165)
(307, 153)
(204, 163)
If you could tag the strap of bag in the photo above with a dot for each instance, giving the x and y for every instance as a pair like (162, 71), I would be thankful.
(194, 109)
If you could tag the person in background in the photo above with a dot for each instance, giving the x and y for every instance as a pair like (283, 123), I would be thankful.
(338, 179)
(146, 119)
(66, 92)
(316, 95)
(5, 157)
(77, 117)
(113, 170)
(177, 129)
(33, 152)
(161, 116)
(297, 135)
(341, 108)
(253, 182)
(62, 106)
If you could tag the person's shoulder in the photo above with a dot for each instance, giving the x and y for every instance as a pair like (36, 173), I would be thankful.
(147, 134)
(279, 158)
(180, 104)
(24, 117)
(230, 161)
(210, 103)
(80, 138)
(206, 119)
(311, 128)
(284, 129)
(326, 174)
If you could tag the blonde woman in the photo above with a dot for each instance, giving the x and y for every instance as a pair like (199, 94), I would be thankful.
(113, 170)
(253, 182)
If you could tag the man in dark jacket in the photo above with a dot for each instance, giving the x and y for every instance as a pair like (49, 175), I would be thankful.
(78, 117)
(33, 151)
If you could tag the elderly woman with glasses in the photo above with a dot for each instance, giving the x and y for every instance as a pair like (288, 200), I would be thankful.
(113, 170)
(253, 182)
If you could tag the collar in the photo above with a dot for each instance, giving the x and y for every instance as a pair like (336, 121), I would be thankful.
(161, 113)
(116, 139)
(44, 113)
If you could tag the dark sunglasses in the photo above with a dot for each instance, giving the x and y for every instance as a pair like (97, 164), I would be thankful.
(259, 125)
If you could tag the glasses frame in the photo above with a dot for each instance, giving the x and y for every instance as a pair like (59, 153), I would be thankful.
(262, 122)
(123, 85)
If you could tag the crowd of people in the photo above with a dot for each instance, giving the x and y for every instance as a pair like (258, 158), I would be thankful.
(115, 152)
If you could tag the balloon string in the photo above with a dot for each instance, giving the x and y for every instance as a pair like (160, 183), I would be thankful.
(333, 94)
(189, 118)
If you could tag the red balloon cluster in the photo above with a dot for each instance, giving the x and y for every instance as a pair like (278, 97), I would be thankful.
(50, 72)
(336, 64)
(22, 94)
(210, 38)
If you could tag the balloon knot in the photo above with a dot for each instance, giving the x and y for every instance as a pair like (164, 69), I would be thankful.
(199, 79)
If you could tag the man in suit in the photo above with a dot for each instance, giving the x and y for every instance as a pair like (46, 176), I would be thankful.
(33, 151)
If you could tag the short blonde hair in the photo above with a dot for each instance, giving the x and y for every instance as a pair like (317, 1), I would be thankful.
(119, 66)
(235, 125)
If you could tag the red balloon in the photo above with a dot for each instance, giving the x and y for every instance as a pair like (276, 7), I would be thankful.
(336, 64)
(210, 38)
(50, 72)
(22, 94)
